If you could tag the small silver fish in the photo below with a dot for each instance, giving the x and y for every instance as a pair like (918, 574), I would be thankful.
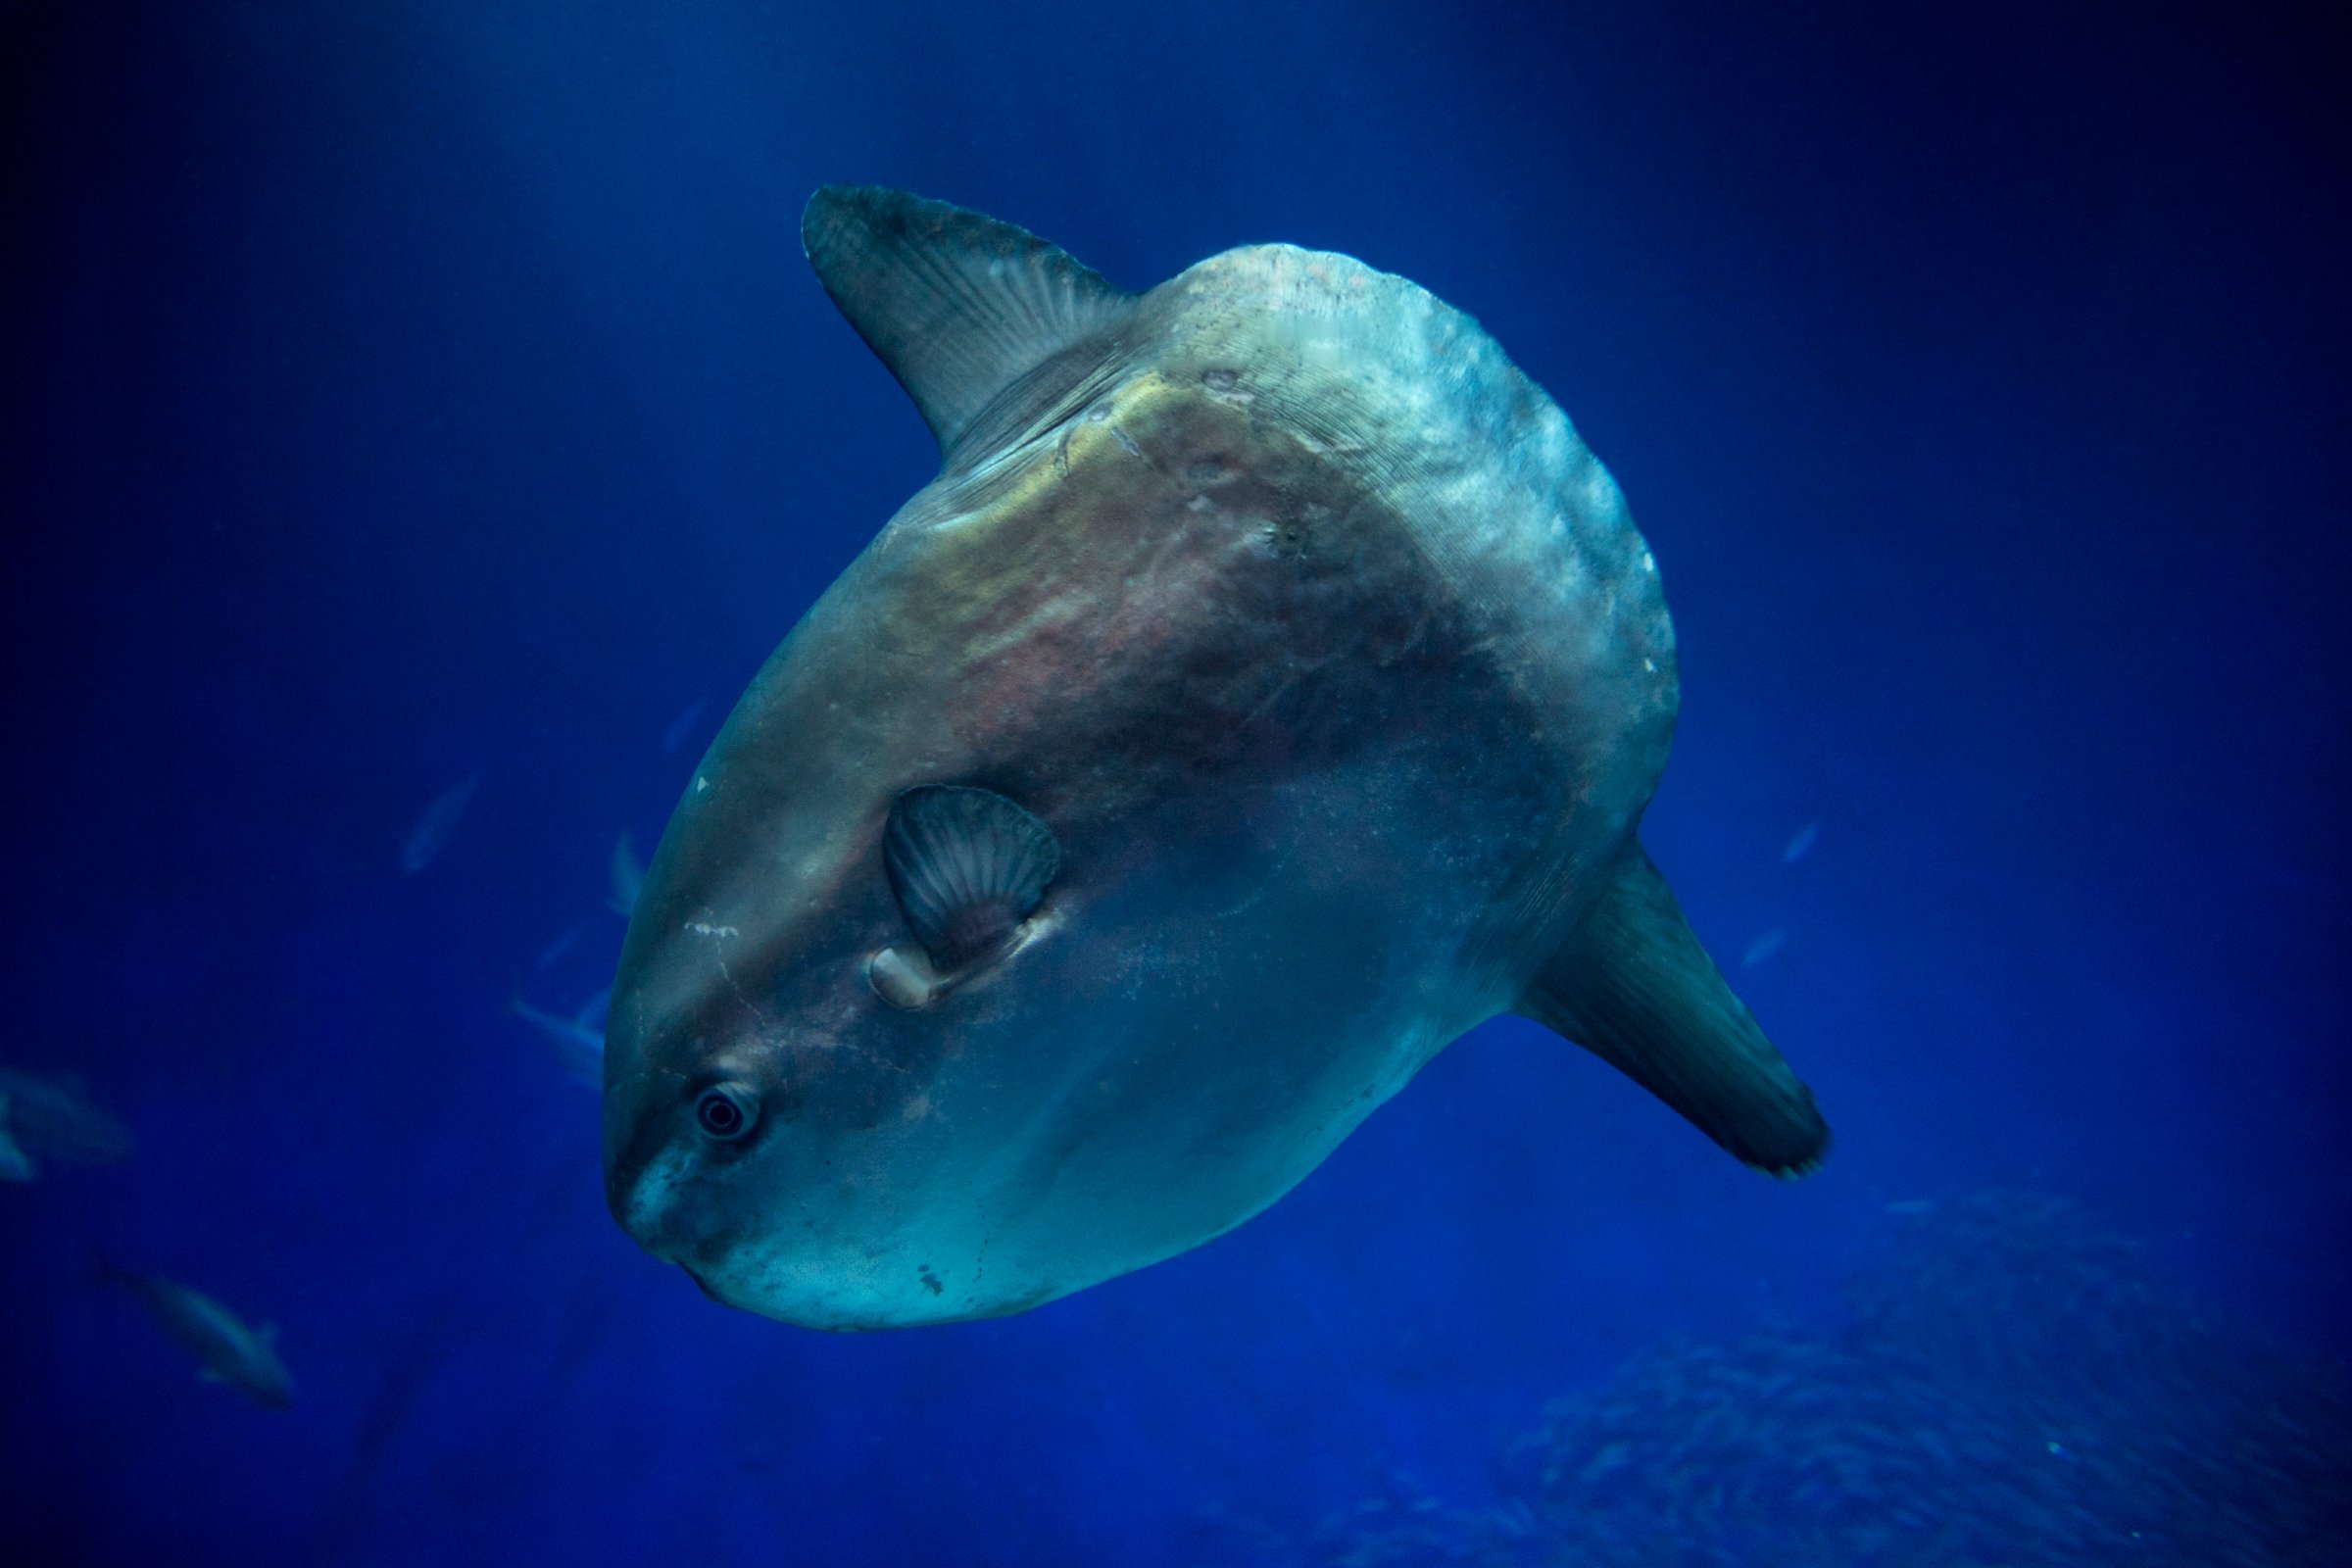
(15, 1164)
(579, 1040)
(628, 878)
(682, 726)
(55, 1118)
(440, 818)
(1764, 947)
(562, 944)
(225, 1349)
(1801, 843)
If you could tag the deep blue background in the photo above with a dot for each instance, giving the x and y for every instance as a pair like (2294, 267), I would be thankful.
(396, 391)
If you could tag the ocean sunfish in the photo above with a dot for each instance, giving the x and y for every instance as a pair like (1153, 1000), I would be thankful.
(1266, 691)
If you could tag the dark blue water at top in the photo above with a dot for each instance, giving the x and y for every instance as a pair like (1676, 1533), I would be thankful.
(400, 393)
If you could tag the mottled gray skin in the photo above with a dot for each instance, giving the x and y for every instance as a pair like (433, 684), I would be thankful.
(1330, 656)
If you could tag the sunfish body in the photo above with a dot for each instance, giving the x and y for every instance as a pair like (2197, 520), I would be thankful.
(1266, 691)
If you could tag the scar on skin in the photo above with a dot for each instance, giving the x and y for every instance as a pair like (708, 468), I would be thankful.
(704, 928)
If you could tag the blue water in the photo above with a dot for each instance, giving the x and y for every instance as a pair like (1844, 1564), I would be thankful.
(397, 393)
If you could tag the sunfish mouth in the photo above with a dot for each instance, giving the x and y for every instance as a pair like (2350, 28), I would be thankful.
(709, 1287)
(653, 1208)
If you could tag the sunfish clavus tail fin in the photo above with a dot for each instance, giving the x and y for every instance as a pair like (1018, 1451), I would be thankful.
(960, 307)
(1634, 987)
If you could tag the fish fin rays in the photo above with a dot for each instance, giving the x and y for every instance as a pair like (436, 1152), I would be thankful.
(967, 866)
(1634, 987)
(960, 307)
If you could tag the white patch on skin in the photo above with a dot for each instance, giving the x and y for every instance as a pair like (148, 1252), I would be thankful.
(902, 978)
(704, 928)
(655, 1190)
(702, 785)
(1224, 385)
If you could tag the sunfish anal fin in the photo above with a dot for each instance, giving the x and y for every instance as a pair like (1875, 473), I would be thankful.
(1633, 986)
(967, 866)
(957, 306)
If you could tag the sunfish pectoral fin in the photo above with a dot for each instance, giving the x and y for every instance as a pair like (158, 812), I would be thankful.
(1633, 986)
(967, 866)
(956, 305)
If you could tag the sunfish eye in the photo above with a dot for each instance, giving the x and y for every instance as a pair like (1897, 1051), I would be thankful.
(726, 1111)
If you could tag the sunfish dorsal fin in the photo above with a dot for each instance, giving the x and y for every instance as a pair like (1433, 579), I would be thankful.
(967, 866)
(1633, 986)
(956, 305)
